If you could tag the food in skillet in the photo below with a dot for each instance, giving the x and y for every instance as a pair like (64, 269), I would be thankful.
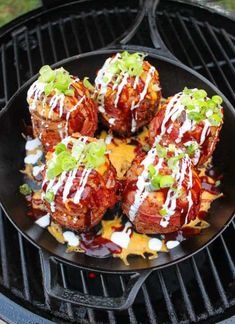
(60, 105)
(128, 92)
(79, 183)
(163, 194)
(192, 120)
(162, 191)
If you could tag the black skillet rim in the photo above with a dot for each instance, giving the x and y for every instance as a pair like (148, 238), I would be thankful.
(153, 53)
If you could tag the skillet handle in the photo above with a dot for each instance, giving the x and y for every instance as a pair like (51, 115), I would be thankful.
(55, 290)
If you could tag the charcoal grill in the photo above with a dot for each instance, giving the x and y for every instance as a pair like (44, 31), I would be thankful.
(200, 289)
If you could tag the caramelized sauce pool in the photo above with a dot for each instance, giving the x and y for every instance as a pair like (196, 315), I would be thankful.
(97, 246)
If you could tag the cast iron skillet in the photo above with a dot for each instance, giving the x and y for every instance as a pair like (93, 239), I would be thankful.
(174, 76)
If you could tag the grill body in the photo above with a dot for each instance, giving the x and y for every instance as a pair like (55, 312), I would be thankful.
(196, 290)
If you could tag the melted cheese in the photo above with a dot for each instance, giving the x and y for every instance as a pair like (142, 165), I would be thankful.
(121, 154)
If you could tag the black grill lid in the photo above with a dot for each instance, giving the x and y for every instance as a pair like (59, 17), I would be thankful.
(200, 289)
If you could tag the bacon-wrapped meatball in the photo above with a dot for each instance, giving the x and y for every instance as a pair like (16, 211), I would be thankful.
(79, 182)
(191, 120)
(60, 105)
(162, 191)
(128, 92)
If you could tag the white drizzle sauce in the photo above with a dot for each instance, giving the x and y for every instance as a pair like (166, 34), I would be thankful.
(120, 88)
(82, 184)
(68, 184)
(35, 92)
(155, 244)
(111, 121)
(32, 144)
(37, 169)
(43, 221)
(172, 244)
(33, 158)
(108, 139)
(71, 238)
(141, 192)
(204, 131)
(122, 238)
(99, 82)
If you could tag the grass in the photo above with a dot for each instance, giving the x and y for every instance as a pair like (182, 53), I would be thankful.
(10, 9)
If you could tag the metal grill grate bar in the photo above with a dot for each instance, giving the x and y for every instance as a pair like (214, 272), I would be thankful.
(61, 25)
(182, 47)
(169, 305)
(185, 295)
(51, 37)
(39, 37)
(27, 294)
(29, 56)
(197, 28)
(4, 260)
(73, 25)
(110, 313)
(217, 279)
(181, 21)
(200, 283)
(64, 281)
(150, 311)
(230, 261)
(4, 72)
(130, 311)
(17, 64)
(224, 54)
(90, 312)
(88, 35)
(228, 40)
(109, 24)
(97, 28)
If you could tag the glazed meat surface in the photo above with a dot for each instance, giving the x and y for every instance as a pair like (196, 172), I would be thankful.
(163, 197)
(78, 198)
(126, 101)
(57, 115)
(195, 128)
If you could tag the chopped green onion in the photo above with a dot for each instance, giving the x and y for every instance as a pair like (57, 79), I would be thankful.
(173, 160)
(25, 189)
(62, 155)
(53, 172)
(87, 84)
(69, 92)
(105, 79)
(130, 63)
(166, 181)
(163, 212)
(60, 148)
(48, 88)
(50, 196)
(78, 149)
(46, 74)
(197, 116)
(58, 79)
(192, 148)
(161, 151)
(217, 99)
(155, 182)
(215, 119)
(68, 163)
(152, 170)
(199, 94)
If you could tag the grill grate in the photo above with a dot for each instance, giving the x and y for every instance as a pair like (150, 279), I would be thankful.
(198, 289)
